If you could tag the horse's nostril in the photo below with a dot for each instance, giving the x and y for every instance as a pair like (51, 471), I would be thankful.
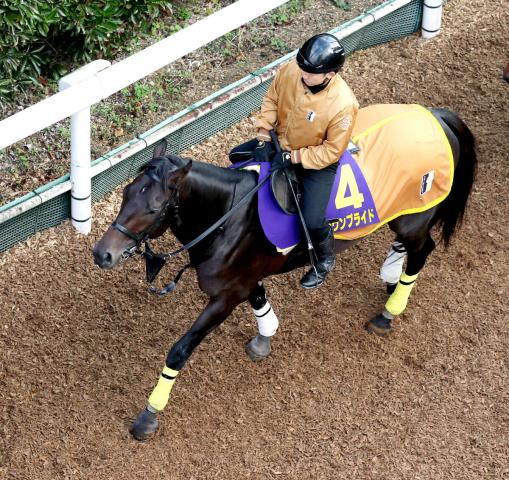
(107, 258)
(103, 259)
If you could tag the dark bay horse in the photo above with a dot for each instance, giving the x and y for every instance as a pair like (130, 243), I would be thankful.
(190, 196)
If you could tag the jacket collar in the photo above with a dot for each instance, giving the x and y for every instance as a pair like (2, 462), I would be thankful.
(330, 88)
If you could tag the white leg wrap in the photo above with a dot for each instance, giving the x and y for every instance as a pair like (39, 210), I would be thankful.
(393, 266)
(267, 320)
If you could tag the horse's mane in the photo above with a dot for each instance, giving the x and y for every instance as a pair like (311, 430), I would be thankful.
(159, 168)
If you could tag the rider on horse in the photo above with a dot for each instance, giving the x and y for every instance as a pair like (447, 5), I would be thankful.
(312, 110)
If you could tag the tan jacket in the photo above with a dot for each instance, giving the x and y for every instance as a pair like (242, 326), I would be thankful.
(316, 127)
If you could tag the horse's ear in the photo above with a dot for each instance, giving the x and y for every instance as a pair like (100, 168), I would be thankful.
(178, 175)
(160, 149)
(187, 167)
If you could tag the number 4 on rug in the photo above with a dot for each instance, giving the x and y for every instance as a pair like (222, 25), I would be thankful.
(348, 183)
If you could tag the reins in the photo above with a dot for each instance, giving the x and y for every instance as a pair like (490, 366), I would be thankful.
(156, 261)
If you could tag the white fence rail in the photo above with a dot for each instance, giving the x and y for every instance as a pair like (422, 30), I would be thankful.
(90, 86)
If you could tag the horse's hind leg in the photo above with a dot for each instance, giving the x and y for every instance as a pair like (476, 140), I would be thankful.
(259, 347)
(392, 267)
(418, 251)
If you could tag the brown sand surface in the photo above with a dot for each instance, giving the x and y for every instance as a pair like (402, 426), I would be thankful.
(81, 348)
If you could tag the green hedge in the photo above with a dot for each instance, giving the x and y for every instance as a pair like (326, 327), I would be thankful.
(39, 38)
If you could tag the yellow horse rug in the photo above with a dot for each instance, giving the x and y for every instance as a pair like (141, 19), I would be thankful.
(404, 165)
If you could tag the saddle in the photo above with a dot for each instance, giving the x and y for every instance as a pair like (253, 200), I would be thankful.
(282, 191)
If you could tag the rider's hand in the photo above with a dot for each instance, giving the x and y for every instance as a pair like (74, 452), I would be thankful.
(282, 159)
(263, 151)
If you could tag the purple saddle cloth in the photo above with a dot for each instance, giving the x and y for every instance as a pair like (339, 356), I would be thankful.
(281, 229)
(284, 231)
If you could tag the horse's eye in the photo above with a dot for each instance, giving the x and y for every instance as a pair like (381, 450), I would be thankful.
(144, 189)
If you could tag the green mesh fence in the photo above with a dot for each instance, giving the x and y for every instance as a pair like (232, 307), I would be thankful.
(185, 137)
(400, 23)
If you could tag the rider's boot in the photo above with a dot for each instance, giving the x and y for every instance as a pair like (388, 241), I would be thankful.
(326, 256)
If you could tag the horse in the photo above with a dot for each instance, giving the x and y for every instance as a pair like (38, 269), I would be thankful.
(232, 256)
(505, 73)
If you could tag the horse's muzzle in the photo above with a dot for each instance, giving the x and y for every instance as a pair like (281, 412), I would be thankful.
(107, 258)
(102, 258)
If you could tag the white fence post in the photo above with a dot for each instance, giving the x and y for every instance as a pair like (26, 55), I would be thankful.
(81, 190)
(431, 18)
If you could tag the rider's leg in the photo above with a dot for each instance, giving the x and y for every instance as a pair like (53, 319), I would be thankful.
(316, 188)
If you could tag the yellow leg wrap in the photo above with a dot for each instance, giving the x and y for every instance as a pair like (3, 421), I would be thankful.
(397, 302)
(161, 393)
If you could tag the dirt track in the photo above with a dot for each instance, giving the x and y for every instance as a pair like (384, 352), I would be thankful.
(80, 348)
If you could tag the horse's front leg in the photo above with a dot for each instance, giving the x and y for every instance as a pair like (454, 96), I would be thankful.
(217, 310)
(259, 347)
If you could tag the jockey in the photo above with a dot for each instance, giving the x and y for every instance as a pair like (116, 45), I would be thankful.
(312, 110)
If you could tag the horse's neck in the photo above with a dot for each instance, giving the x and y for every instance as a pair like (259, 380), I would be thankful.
(206, 195)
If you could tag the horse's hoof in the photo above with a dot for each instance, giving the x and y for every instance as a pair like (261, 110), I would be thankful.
(145, 425)
(379, 325)
(258, 348)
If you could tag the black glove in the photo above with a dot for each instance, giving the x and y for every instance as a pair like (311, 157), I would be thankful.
(281, 160)
(263, 151)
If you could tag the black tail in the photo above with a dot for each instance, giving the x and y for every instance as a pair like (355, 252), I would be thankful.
(453, 207)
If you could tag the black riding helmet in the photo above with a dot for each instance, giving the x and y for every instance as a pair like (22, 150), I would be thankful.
(321, 54)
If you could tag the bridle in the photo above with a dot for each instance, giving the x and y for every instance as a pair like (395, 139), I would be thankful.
(142, 237)
(155, 261)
